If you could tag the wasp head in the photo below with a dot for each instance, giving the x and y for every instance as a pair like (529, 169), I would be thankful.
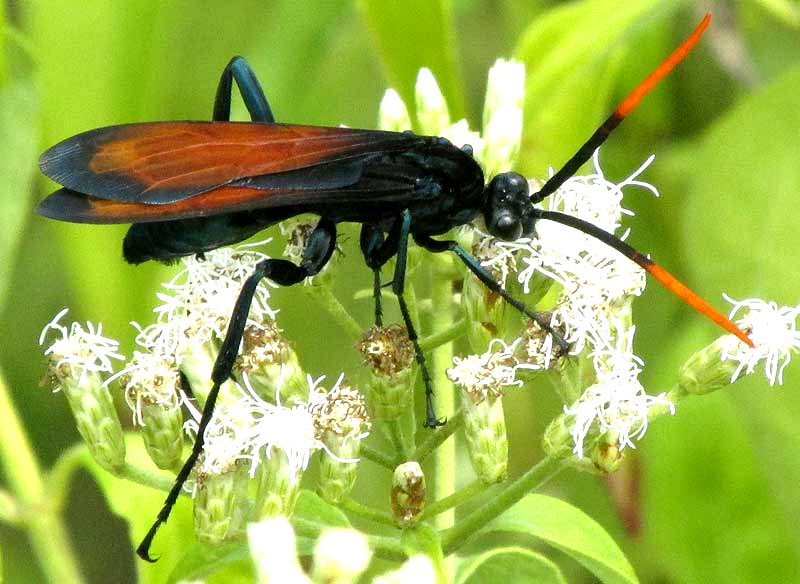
(508, 212)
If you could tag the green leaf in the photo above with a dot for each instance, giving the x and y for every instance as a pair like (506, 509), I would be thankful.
(415, 34)
(510, 564)
(312, 509)
(716, 473)
(572, 57)
(744, 183)
(19, 128)
(785, 11)
(229, 563)
(570, 530)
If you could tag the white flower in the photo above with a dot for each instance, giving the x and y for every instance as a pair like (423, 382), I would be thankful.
(250, 428)
(149, 379)
(594, 277)
(272, 547)
(226, 439)
(616, 402)
(773, 330)
(485, 374)
(80, 350)
(340, 555)
(199, 300)
(393, 114)
(432, 113)
(502, 115)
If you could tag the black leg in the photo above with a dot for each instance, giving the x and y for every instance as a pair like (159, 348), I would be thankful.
(437, 246)
(377, 250)
(401, 229)
(317, 253)
(254, 99)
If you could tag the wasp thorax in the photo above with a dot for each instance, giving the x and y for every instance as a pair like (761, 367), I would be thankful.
(508, 209)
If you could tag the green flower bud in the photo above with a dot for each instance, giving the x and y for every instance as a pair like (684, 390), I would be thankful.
(96, 419)
(487, 438)
(271, 366)
(705, 371)
(221, 504)
(341, 422)
(278, 485)
(485, 310)
(76, 361)
(389, 354)
(152, 387)
(162, 432)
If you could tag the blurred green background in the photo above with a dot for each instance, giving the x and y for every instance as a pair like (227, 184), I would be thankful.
(717, 484)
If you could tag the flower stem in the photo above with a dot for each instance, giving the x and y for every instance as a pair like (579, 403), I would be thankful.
(47, 533)
(377, 456)
(325, 297)
(458, 535)
(454, 331)
(442, 358)
(455, 499)
(366, 511)
(434, 439)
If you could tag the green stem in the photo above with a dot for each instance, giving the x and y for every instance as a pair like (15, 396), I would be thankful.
(397, 436)
(145, 477)
(24, 475)
(434, 439)
(452, 501)
(468, 526)
(444, 483)
(366, 511)
(378, 457)
(324, 296)
(451, 333)
(78, 455)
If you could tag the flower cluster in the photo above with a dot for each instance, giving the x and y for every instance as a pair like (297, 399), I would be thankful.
(595, 283)
(248, 430)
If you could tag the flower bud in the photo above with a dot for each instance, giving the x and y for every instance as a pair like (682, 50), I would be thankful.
(97, 420)
(432, 113)
(340, 556)
(705, 371)
(393, 114)
(278, 484)
(408, 494)
(152, 389)
(271, 366)
(221, 504)
(389, 354)
(76, 361)
(341, 421)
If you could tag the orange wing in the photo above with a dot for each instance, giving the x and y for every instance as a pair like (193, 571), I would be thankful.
(165, 162)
